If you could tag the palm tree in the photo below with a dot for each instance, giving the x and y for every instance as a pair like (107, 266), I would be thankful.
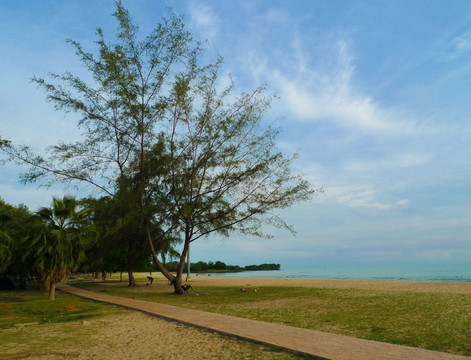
(58, 241)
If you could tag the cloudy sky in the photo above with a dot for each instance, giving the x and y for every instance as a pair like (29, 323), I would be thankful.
(373, 95)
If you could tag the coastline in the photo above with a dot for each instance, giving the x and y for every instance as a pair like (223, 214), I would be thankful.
(392, 306)
(457, 274)
(247, 282)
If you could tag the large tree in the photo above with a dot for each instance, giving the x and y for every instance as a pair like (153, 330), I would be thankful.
(225, 172)
(199, 158)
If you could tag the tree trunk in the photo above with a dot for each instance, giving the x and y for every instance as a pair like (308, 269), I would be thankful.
(159, 265)
(52, 290)
(44, 280)
(121, 276)
(131, 254)
(177, 285)
(132, 281)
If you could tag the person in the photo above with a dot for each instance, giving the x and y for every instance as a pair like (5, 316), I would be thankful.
(150, 280)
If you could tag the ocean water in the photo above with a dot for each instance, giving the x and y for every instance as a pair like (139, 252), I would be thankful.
(448, 274)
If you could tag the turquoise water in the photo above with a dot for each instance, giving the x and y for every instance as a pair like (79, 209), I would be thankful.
(459, 274)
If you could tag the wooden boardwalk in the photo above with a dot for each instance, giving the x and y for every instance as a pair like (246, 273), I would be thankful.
(319, 345)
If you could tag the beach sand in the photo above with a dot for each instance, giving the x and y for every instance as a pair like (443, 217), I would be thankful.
(429, 287)
(128, 335)
(134, 335)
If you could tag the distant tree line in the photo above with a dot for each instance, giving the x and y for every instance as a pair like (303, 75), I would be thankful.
(220, 266)
(72, 235)
(262, 267)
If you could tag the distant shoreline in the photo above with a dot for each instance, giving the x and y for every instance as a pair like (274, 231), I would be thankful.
(226, 271)
(383, 285)
(445, 276)
(414, 286)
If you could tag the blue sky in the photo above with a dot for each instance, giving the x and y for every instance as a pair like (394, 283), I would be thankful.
(374, 95)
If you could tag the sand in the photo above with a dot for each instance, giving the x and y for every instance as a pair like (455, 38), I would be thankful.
(134, 335)
(428, 287)
(127, 335)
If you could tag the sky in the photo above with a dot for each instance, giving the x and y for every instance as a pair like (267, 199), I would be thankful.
(373, 95)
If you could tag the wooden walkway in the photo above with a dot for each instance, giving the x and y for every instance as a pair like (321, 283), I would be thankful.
(319, 345)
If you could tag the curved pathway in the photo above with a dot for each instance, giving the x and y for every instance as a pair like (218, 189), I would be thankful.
(319, 345)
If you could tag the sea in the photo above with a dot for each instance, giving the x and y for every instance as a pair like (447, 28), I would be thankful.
(442, 274)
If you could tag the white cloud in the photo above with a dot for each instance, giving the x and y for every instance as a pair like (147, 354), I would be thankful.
(276, 16)
(316, 92)
(405, 160)
(409, 160)
(344, 110)
(337, 103)
(355, 196)
(403, 203)
(204, 19)
(357, 166)
(460, 46)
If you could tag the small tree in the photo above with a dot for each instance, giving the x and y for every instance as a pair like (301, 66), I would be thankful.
(58, 241)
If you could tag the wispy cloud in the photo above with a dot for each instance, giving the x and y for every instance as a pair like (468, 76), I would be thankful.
(331, 96)
(391, 163)
(362, 196)
(353, 185)
(276, 16)
(460, 46)
(203, 19)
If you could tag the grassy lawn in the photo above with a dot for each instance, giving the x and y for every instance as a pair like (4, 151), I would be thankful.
(31, 326)
(31, 307)
(434, 321)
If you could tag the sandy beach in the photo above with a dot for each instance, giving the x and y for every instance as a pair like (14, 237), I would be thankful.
(129, 335)
(429, 287)
(134, 335)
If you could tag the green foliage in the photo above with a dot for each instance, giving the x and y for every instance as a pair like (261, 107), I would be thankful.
(210, 266)
(30, 306)
(58, 240)
(6, 241)
(15, 222)
(59, 234)
(262, 267)
(122, 241)
(197, 158)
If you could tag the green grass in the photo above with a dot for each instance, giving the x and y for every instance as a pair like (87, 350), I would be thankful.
(33, 326)
(434, 321)
(33, 306)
